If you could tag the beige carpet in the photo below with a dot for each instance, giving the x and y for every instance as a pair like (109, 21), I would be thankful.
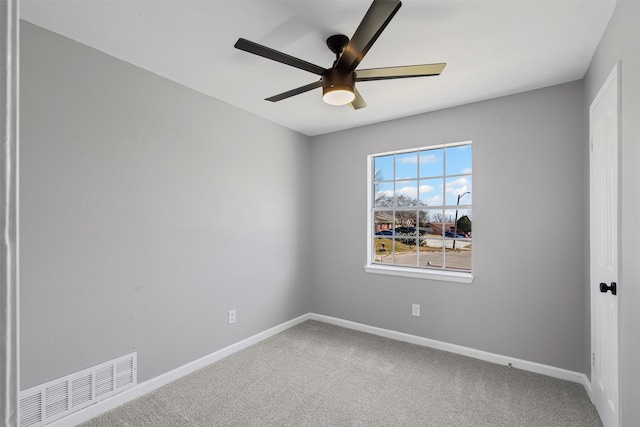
(316, 374)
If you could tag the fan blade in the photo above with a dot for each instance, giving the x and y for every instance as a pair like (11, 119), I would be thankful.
(358, 102)
(374, 22)
(294, 92)
(266, 52)
(399, 72)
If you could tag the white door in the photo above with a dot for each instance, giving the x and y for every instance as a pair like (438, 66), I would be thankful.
(603, 162)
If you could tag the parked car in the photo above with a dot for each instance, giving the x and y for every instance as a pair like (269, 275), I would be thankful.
(450, 234)
(384, 233)
(405, 230)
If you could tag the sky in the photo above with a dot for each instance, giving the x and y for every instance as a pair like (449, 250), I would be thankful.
(425, 178)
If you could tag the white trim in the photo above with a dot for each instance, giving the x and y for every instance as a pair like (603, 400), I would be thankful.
(588, 388)
(9, 267)
(416, 272)
(161, 380)
(420, 273)
(614, 78)
(164, 379)
(525, 365)
(611, 78)
(426, 147)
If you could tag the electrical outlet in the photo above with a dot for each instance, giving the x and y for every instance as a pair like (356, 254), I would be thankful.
(232, 316)
(415, 310)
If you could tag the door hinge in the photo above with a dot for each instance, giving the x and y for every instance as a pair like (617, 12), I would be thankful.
(593, 358)
(591, 144)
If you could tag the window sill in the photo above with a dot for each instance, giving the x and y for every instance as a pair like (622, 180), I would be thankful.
(417, 273)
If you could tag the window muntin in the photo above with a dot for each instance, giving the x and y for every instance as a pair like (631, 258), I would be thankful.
(421, 208)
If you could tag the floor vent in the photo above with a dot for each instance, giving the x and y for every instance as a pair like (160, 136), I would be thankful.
(48, 402)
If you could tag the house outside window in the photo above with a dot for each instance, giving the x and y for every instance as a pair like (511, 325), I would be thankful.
(420, 212)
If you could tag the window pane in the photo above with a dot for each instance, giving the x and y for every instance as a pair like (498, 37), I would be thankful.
(382, 250)
(430, 253)
(383, 224)
(458, 189)
(465, 223)
(383, 194)
(383, 168)
(405, 222)
(431, 163)
(430, 192)
(458, 254)
(458, 160)
(404, 252)
(436, 216)
(407, 193)
(425, 223)
(441, 222)
(407, 165)
(458, 229)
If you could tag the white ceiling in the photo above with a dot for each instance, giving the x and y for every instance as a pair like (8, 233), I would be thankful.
(492, 48)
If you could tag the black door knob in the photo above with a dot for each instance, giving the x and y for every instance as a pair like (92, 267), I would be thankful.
(604, 288)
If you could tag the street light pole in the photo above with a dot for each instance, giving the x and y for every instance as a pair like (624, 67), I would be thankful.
(455, 224)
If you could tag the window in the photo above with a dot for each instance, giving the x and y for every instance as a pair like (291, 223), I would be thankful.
(420, 212)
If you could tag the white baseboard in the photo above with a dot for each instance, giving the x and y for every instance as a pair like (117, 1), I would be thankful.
(525, 365)
(161, 380)
(164, 379)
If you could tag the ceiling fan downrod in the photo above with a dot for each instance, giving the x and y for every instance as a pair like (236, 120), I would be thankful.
(336, 44)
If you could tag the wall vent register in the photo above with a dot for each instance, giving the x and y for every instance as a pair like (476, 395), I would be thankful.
(45, 403)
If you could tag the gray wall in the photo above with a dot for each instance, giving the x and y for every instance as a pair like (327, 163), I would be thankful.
(147, 211)
(621, 42)
(528, 296)
(143, 203)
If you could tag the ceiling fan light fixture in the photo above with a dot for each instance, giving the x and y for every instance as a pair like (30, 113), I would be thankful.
(338, 95)
(338, 86)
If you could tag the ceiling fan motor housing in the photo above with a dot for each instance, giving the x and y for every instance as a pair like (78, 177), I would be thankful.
(338, 79)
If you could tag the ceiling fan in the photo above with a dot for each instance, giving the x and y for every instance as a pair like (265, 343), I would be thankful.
(339, 82)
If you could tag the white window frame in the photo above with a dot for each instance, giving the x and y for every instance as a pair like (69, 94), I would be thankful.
(407, 271)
